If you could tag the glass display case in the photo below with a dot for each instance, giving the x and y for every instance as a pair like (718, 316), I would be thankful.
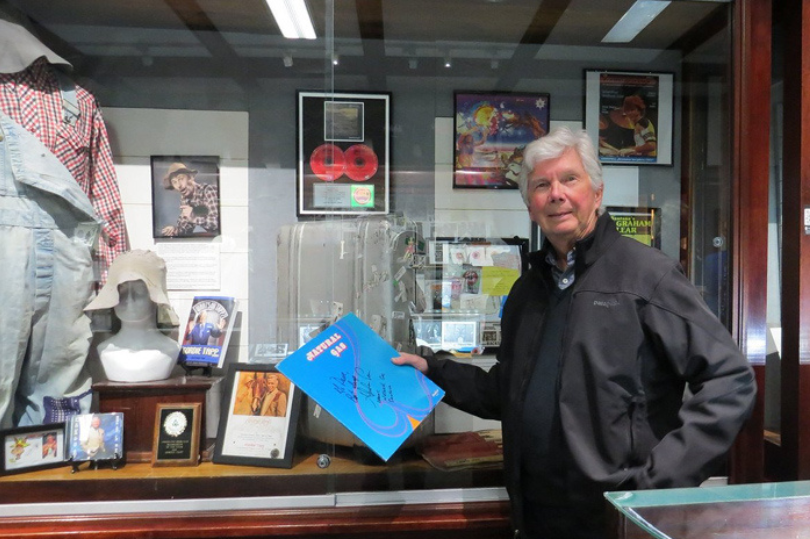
(215, 86)
(740, 511)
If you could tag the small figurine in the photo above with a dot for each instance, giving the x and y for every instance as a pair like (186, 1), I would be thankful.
(136, 291)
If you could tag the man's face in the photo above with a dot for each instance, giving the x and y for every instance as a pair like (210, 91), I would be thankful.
(182, 183)
(562, 200)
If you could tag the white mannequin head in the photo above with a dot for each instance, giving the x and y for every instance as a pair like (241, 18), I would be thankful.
(138, 352)
(134, 303)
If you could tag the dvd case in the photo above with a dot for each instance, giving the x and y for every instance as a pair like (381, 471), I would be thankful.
(208, 330)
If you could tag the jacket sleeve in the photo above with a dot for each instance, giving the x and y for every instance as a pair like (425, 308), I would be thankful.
(467, 387)
(721, 386)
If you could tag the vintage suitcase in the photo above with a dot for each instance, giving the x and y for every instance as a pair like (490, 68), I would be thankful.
(363, 265)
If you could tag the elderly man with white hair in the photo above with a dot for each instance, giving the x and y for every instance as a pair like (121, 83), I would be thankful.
(612, 373)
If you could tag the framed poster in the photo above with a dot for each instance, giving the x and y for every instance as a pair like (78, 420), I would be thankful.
(343, 153)
(177, 434)
(259, 417)
(185, 196)
(491, 130)
(642, 224)
(629, 116)
(33, 448)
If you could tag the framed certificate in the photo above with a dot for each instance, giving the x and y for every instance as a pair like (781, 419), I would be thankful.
(177, 434)
(259, 417)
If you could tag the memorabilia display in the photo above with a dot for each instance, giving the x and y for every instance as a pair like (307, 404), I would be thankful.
(177, 434)
(344, 152)
(378, 281)
(465, 282)
(491, 130)
(347, 370)
(259, 417)
(208, 331)
(33, 448)
(143, 399)
(96, 436)
(630, 116)
(185, 196)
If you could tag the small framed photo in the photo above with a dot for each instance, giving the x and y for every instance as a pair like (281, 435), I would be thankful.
(458, 335)
(629, 116)
(177, 434)
(343, 153)
(33, 448)
(491, 130)
(96, 436)
(185, 196)
(259, 417)
(268, 352)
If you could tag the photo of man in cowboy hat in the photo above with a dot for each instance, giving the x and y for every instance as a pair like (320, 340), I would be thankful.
(199, 200)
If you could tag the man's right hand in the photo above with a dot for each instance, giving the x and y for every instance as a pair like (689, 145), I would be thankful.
(412, 359)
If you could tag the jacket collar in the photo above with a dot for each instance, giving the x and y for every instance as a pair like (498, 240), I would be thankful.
(588, 249)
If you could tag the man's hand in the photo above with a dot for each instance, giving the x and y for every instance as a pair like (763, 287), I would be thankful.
(413, 360)
(169, 231)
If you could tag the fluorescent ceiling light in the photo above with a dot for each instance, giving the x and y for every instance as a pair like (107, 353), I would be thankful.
(292, 18)
(640, 14)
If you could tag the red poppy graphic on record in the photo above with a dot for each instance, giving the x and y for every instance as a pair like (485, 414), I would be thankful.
(328, 162)
(361, 162)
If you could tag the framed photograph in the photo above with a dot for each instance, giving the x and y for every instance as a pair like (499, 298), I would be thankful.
(185, 196)
(268, 352)
(33, 448)
(259, 417)
(343, 153)
(459, 335)
(96, 436)
(642, 224)
(491, 130)
(629, 116)
(177, 434)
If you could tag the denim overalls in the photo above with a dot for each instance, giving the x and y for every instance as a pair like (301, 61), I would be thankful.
(47, 226)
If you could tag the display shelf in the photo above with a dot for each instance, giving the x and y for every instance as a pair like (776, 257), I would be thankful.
(140, 501)
(141, 481)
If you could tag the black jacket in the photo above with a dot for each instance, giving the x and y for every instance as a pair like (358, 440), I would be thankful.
(638, 333)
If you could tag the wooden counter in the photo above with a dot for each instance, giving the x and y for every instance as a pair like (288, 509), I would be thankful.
(51, 489)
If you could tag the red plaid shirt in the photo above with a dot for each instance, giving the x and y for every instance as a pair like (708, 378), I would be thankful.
(32, 99)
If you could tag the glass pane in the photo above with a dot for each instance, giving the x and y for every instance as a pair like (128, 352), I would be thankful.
(376, 163)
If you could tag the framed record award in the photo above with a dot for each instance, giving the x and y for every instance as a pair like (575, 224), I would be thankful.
(343, 153)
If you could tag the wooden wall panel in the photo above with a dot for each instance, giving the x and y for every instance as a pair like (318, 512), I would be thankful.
(795, 18)
(750, 151)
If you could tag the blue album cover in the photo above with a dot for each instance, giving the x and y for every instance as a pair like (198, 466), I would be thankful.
(347, 370)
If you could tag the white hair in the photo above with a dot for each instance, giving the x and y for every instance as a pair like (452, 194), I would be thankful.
(553, 146)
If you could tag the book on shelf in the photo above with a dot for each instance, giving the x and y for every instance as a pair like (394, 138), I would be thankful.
(208, 331)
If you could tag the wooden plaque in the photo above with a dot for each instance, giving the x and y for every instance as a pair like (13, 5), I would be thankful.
(177, 434)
